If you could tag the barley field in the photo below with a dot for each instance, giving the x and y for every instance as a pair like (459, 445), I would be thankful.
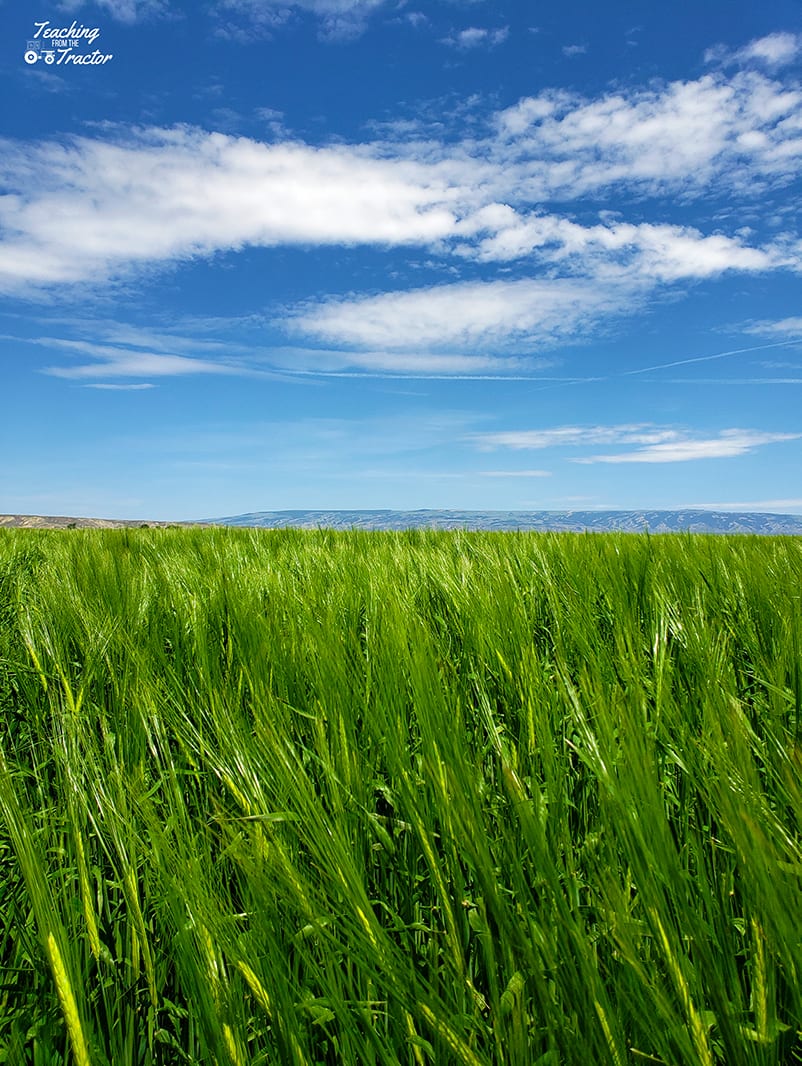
(415, 798)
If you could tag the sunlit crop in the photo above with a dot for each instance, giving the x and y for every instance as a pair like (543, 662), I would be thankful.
(415, 798)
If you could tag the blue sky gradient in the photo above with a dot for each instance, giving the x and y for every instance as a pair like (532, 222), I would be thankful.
(368, 253)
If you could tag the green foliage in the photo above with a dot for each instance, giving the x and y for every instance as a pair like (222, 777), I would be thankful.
(411, 798)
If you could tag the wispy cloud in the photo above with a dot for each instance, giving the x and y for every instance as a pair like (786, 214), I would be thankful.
(731, 381)
(327, 441)
(116, 362)
(119, 350)
(571, 50)
(597, 273)
(783, 327)
(338, 19)
(414, 18)
(127, 11)
(466, 314)
(574, 436)
(46, 81)
(319, 360)
(654, 444)
(725, 445)
(476, 37)
(119, 388)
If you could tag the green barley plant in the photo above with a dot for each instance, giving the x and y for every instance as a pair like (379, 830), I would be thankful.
(399, 798)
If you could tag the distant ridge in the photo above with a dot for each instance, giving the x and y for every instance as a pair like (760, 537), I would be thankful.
(690, 520)
(695, 521)
(38, 521)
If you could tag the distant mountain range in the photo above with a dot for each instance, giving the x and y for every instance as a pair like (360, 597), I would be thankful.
(570, 521)
(38, 521)
(545, 521)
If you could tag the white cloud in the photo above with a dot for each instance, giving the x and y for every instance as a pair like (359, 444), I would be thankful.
(727, 444)
(575, 436)
(314, 360)
(94, 209)
(114, 362)
(415, 18)
(476, 36)
(465, 314)
(671, 253)
(655, 444)
(571, 50)
(774, 51)
(119, 388)
(662, 252)
(137, 352)
(677, 136)
(611, 271)
(606, 271)
(783, 327)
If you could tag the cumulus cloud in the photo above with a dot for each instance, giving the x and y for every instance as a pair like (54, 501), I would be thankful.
(681, 135)
(604, 272)
(662, 252)
(171, 194)
(94, 209)
(774, 50)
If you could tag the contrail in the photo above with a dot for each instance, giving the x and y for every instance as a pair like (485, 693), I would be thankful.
(707, 358)
(431, 377)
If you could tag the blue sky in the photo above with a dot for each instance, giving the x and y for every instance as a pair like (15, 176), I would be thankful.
(376, 253)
